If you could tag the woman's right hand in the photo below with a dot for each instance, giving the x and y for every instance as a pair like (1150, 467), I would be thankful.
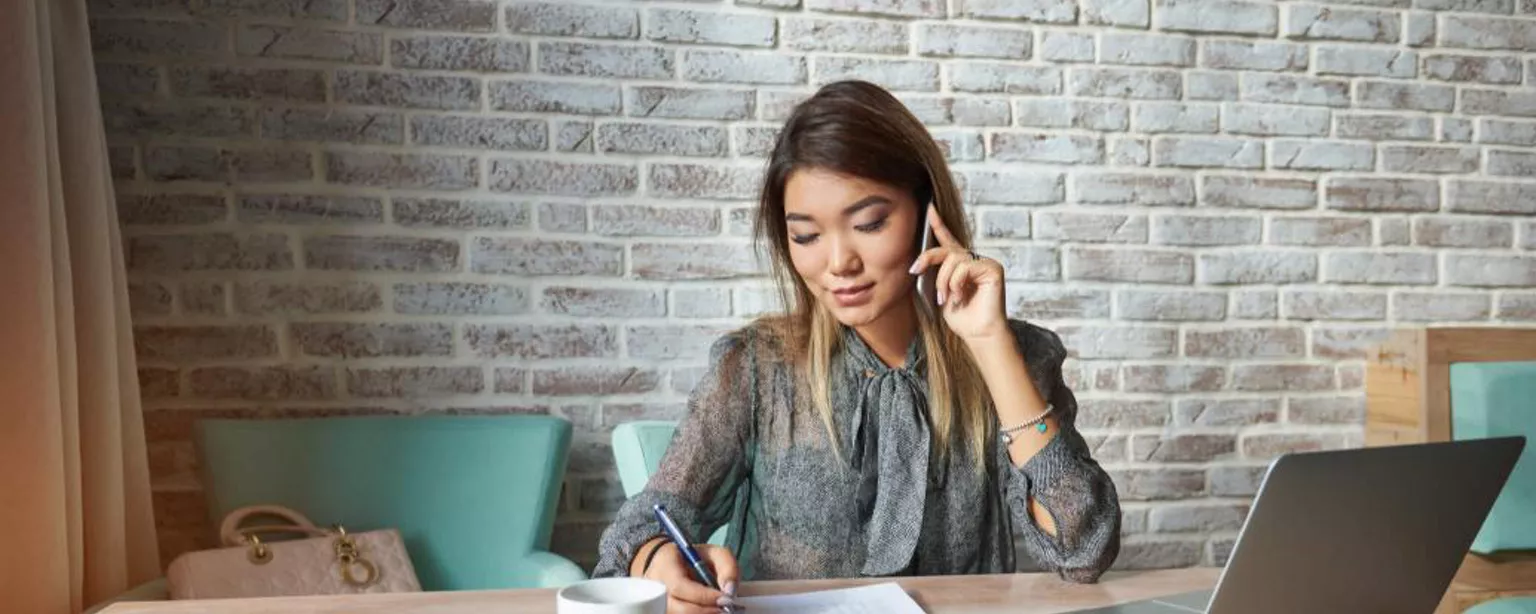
(685, 595)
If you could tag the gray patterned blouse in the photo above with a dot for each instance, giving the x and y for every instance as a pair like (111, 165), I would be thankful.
(750, 456)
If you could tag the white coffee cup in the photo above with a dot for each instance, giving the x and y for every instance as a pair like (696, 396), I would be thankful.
(613, 596)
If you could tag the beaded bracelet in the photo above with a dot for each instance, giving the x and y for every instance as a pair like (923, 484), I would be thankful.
(1038, 422)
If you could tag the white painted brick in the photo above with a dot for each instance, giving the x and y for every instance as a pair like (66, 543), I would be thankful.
(1058, 46)
(951, 40)
(1129, 265)
(1420, 31)
(1477, 32)
(1383, 127)
(1216, 17)
(1274, 120)
(1367, 62)
(1498, 102)
(1055, 302)
(1206, 230)
(1490, 271)
(1320, 231)
(1146, 49)
(1085, 114)
(541, 96)
(1333, 305)
(1129, 151)
(991, 77)
(1286, 89)
(1429, 159)
(908, 75)
(844, 35)
(1032, 263)
(726, 66)
(1475, 68)
(1497, 7)
(1404, 96)
(1212, 85)
(893, 8)
(564, 19)
(1393, 231)
(1258, 192)
(1381, 194)
(1004, 223)
(1124, 83)
(1255, 305)
(1259, 55)
(1510, 163)
(606, 60)
(1379, 267)
(1490, 197)
(701, 302)
(1169, 306)
(663, 139)
(1317, 22)
(1321, 155)
(688, 102)
(1195, 152)
(1125, 13)
(1044, 11)
(1440, 307)
(1119, 188)
(1506, 132)
(710, 27)
(1011, 187)
(1090, 227)
(1257, 267)
(1456, 129)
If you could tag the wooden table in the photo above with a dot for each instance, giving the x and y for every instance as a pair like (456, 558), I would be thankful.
(1014, 593)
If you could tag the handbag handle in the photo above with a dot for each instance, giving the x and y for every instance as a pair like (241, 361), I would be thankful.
(232, 535)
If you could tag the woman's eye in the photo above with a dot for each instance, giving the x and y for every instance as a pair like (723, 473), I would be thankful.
(804, 239)
(872, 226)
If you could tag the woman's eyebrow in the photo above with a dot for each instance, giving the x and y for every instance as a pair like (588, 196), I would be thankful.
(857, 206)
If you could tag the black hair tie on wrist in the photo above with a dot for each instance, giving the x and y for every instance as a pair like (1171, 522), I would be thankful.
(652, 556)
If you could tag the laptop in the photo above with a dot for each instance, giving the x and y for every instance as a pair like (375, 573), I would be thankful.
(1362, 531)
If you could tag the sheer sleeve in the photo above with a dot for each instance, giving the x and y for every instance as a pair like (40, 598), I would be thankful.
(706, 460)
(1063, 477)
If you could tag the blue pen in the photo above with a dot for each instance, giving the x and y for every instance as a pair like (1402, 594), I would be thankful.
(695, 561)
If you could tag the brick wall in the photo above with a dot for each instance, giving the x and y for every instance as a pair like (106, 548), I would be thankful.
(338, 207)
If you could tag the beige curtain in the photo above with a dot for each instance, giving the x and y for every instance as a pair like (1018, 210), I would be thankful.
(76, 525)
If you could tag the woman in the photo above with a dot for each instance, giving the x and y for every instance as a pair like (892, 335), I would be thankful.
(868, 432)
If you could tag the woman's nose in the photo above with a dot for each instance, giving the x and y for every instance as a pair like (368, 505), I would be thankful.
(843, 260)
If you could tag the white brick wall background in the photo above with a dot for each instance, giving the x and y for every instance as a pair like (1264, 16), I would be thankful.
(338, 207)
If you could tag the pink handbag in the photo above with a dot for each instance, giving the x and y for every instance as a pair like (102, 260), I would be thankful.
(326, 562)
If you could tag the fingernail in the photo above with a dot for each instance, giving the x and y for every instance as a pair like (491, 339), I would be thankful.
(725, 601)
(941, 297)
(730, 588)
(912, 270)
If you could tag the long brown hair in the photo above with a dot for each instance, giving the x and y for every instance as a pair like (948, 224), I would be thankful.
(857, 128)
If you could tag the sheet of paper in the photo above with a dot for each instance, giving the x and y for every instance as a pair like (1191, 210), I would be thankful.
(887, 598)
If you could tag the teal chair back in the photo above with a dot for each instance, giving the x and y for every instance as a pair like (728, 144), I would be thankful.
(637, 450)
(1498, 399)
(473, 497)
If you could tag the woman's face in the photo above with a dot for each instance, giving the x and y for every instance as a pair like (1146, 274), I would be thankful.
(851, 240)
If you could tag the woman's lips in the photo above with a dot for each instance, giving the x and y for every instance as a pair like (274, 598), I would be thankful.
(854, 296)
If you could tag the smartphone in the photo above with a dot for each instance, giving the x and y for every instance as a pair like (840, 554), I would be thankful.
(926, 280)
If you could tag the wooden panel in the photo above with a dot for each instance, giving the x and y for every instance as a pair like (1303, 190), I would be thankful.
(1408, 400)
(1394, 387)
(1483, 344)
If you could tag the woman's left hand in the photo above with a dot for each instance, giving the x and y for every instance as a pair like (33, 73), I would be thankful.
(969, 288)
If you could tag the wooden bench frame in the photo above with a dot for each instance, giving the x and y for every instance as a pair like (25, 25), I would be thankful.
(1408, 400)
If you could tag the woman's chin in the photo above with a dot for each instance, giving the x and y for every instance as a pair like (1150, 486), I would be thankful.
(857, 316)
